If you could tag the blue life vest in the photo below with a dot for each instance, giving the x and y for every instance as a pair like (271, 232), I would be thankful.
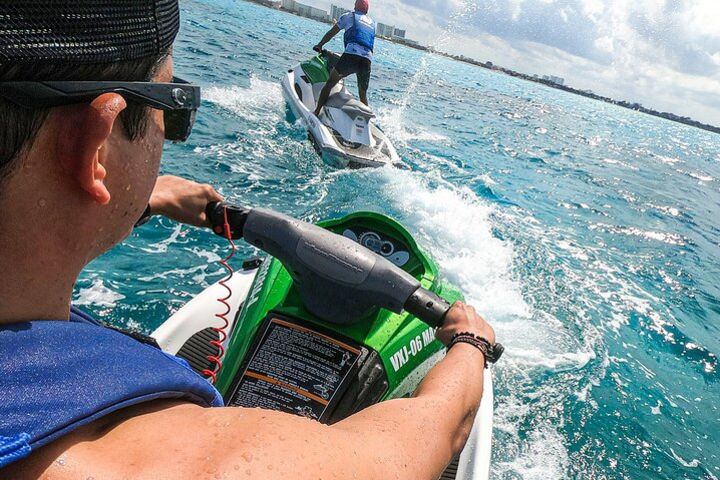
(361, 33)
(56, 376)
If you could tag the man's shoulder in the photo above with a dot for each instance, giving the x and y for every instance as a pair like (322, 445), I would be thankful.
(157, 438)
(346, 20)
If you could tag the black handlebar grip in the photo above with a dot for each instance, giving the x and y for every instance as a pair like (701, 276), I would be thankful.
(236, 217)
(428, 307)
(432, 310)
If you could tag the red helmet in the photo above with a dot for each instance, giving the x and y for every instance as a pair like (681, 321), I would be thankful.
(362, 6)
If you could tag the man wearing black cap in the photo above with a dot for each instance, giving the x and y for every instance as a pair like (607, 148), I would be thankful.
(87, 96)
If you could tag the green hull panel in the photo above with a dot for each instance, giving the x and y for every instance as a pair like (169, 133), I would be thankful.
(316, 70)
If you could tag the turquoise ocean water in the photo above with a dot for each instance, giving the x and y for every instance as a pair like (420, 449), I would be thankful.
(588, 234)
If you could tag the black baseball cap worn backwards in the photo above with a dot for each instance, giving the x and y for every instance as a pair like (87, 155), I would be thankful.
(86, 31)
(94, 32)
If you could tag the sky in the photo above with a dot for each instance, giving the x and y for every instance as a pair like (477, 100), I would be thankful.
(664, 54)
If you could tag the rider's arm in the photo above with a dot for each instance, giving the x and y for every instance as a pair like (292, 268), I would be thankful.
(411, 438)
(328, 36)
(182, 200)
(416, 438)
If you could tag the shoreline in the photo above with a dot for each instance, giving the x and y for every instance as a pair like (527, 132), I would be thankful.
(498, 69)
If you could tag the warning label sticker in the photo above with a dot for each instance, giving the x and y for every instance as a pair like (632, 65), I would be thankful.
(296, 370)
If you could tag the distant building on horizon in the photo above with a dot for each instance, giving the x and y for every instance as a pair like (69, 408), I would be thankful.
(389, 31)
(384, 30)
(305, 10)
(554, 79)
(271, 3)
(336, 12)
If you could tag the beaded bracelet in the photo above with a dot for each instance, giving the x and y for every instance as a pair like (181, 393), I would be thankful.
(480, 343)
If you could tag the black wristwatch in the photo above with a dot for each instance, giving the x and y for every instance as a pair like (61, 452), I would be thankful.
(145, 217)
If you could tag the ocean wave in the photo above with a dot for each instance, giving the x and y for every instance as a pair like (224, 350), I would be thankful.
(403, 131)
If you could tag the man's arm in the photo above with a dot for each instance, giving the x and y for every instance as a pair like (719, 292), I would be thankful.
(328, 36)
(416, 438)
(182, 200)
(413, 438)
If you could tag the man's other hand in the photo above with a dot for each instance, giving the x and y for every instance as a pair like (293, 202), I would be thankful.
(463, 318)
(182, 200)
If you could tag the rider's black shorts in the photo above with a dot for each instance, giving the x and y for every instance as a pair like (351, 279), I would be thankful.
(361, 66)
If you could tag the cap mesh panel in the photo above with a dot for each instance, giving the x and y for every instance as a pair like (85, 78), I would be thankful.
(86, 31)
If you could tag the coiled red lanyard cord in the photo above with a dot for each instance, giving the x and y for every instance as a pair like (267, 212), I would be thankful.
(221, 330)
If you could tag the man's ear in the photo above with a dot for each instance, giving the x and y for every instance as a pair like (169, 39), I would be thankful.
(80, 149)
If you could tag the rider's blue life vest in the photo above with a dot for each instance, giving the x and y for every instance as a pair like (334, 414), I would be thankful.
(56, 376)
(361, 33)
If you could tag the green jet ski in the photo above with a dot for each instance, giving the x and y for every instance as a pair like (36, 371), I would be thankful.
(339, 317)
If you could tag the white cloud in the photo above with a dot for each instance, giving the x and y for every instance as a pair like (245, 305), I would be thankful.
(564, 15)
(703, 17)
(593, 9)
(605, 44)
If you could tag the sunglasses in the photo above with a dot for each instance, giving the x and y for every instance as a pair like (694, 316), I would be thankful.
(178, 100)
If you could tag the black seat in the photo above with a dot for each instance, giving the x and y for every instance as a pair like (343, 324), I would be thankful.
(350, 105)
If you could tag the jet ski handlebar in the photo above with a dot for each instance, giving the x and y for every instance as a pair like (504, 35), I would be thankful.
(339, 280)
(329, 54)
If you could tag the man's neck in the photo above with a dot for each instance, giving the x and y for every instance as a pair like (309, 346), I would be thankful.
(33, 289)
(38, 269)
(39, 261)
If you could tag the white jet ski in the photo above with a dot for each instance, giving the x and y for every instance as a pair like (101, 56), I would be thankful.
(297, 303)
(345, 134)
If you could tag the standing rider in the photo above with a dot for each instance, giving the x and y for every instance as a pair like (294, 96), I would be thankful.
(357, 59)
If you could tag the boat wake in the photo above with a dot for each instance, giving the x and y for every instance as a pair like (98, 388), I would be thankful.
(460, 230)
(260, 100)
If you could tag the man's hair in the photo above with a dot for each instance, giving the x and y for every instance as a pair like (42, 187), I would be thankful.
(19, 126)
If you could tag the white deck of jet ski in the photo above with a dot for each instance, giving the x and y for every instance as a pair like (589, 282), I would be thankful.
(379, 152)
(199, 314)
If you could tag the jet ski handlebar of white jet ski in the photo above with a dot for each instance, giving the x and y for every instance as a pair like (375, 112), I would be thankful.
(327, 53)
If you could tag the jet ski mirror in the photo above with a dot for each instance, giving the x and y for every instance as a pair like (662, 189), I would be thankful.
(339, 280)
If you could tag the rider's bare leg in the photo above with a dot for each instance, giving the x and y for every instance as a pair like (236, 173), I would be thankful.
(335, 77)
(363, 95)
